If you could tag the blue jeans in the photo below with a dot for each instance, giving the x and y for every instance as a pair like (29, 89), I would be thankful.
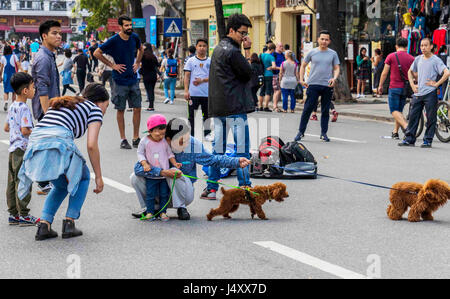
(286, 93)
(155, 187)
(430, 102)
(396, 99)
(170, 83)
(59, 192)
(239, 125)
(313, 93)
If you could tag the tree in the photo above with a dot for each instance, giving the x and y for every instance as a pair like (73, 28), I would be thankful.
(328, 20)
(220, 19)
(136, 12)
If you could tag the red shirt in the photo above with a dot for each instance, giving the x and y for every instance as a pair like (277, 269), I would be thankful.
(405, 61)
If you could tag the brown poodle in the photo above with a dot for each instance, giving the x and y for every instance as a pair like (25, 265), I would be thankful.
(423, 200)
(233, 198)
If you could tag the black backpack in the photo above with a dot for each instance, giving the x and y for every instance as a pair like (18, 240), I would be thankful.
(295, 151)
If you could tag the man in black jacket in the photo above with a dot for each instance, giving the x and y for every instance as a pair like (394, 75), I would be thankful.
(230, 98)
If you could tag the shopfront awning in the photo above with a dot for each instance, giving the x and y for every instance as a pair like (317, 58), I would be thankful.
(5, 28)
(35, 29)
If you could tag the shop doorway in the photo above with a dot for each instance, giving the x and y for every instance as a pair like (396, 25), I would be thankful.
(304, 42)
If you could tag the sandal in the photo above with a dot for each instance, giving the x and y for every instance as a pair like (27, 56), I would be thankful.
(277, 110)
(284, 111)
(292, 111)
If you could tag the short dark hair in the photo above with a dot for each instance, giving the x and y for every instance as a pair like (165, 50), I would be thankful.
(192, 49)
(7, 50)
(202, 40)
(254, 58)
(95, 92)
(271, 46)
(326, 32)
(123, 18)
(68, 53)
(235, 22)
(176, 126)
(19, 81)
(160, 127)
(44, 28)
(286, 47)
(402, 42)
(170, 52)
(80, 51)
(428, 39)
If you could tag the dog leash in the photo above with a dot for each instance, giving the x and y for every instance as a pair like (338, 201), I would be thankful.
(347, 180)
(219, 183)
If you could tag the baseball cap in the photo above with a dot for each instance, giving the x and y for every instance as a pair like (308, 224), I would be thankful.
(154, 121)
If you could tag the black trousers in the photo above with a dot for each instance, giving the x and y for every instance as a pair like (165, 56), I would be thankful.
(255, 95)
(193, 105)
(68, 87)
(429, 102)
(81, 77)
(149, 83)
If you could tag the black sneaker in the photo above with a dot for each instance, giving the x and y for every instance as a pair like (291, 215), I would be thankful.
(325, 138)
(299, 136)
(136, 142)
(13, 220)
(139, 214)
(44, 232)
(426, 144)
(69, 230)
(267, 109)
(208, 194)
(125, 145)
(395, 136)
(183, 214)
(405, 143)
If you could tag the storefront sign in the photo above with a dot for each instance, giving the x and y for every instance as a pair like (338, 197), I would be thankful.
(36, 21)
(289, 3)
(198, 30)
(113, 25)
(212, 36)
(153, 30)
(5, 20)
(139, 23)
(231, 9)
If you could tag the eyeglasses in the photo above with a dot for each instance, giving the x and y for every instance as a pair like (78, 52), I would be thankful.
(243, 33)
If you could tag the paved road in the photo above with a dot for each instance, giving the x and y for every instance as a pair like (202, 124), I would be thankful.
(325, 229)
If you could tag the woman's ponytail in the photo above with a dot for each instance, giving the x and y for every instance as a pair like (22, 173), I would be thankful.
(65, 102)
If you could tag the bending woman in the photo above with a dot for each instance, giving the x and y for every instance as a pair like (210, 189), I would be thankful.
(52, 148)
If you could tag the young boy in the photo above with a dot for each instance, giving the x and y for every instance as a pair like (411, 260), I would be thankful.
(19, 125)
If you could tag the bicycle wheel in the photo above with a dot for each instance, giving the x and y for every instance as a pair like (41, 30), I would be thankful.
(421, 121)
(443, 122)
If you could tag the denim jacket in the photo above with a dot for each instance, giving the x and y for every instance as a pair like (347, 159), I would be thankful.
(195, 153)
(51, 152)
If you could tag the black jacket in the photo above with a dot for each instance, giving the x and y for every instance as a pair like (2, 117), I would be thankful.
(229, 81)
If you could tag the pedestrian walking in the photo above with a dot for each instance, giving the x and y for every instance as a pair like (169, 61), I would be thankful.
(34, 48)
(19, 125)
(196, 82)
(122, 47)
(66, 73)
(266, 92)
(279, 59)
(332, 108)
(169, 67)
(289, 78)
(378, 65)
(257, 77)
(322, 78)
(397, 85)
(80, 65)
(426, 68)
(363, 72)
(150, 72)
(191, 50)
(229, 97)
(94, 60)
(59, 127)
(46, 77)
(9, 65)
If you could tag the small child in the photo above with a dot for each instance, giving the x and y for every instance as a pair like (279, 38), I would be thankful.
(154, 151)
(19, 125)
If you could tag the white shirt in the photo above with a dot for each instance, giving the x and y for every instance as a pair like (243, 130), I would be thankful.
(199, 68)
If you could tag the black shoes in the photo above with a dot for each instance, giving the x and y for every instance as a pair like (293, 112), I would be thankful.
(299, 136)
(125, 145)
(139, 214)
(183, 214)
(136, 142)
(325, 138)
(395, 136)
(69, 230)
(267, 109)
(44, 232)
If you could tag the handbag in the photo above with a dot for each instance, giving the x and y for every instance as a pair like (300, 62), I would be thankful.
(407, 90)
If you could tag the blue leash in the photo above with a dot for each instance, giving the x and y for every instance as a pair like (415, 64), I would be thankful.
(345, 180)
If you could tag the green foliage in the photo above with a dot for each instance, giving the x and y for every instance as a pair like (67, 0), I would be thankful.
(101, 11)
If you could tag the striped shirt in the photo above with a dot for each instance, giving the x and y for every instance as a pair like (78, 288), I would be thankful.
(77, 120)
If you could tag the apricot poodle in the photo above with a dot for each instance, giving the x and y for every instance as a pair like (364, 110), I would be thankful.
(233, 198)
(423, 200)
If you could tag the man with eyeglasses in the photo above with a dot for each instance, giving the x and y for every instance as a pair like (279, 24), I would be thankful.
(230, 98)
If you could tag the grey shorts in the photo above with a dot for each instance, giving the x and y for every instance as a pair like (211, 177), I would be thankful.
(123, 93)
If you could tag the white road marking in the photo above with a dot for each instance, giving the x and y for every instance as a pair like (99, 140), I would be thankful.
(340, 139)
(5, 142)
(115, 184)
(310, 260)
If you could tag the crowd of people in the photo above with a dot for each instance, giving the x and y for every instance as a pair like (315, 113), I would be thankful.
(224, 86)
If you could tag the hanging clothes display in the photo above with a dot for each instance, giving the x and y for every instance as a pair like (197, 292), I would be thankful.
(414, 39)
(440, 38)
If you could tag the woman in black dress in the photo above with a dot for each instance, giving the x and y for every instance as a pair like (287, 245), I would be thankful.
(149, 70)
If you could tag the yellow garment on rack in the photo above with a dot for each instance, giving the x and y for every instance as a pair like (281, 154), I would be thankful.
(407, 19)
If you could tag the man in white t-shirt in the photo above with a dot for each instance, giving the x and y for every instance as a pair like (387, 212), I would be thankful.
(196, 84)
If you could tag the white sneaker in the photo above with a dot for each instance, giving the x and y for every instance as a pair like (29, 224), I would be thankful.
(167, 100)
(363, 96)
(358, 96)
(171, 102)
(209, 138)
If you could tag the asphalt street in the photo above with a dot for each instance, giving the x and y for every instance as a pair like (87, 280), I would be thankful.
(327, 228)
